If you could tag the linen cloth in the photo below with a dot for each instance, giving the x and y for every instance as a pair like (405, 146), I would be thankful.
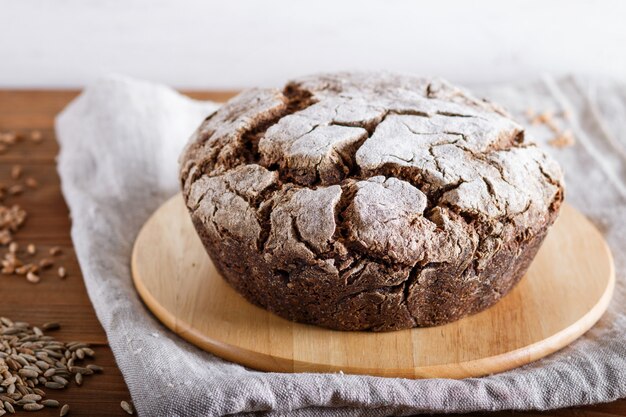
(120, 140)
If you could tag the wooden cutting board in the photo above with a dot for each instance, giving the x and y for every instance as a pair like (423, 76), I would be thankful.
(565, 292)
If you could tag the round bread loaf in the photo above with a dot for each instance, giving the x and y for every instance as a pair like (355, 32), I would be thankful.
(368, 201)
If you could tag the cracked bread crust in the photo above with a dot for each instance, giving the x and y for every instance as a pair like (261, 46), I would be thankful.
(368, 201)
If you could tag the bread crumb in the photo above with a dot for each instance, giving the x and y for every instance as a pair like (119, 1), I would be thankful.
(553, 126)
(567, 115)
(543, 118)
(563, 140)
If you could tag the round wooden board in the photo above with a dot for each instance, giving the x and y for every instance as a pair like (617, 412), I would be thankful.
(566, 290)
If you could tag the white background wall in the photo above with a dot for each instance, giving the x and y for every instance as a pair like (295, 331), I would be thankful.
(232, 44)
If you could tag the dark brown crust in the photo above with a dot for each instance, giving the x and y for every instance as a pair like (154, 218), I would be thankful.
(354, 242)
(436, 295)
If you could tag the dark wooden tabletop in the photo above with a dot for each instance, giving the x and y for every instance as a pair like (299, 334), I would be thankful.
(66, 301)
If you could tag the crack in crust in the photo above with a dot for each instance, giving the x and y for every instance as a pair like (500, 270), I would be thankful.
(368, 201)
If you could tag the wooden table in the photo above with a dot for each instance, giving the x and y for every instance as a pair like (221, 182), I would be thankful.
(66, 301)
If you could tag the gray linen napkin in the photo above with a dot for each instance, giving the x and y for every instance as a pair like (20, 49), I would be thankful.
(120, 140)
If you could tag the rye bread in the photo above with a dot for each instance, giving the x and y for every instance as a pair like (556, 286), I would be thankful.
(368, 201)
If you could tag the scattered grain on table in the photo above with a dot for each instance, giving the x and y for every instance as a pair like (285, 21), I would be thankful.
(31, 360)
(13, 217)
(46, 263)
(31, 182)
(128, 407)
(33, 278)
(16, 171)
(36, 136)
